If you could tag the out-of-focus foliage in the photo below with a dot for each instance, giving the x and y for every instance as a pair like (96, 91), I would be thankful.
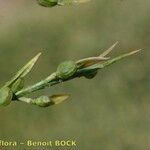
(108, 112)
(52, 3)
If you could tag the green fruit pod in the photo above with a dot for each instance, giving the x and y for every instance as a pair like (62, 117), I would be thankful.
(66, 69)
(48, 3)
(42, 101)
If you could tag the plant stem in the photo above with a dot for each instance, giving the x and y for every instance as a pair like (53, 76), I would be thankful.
(53, 79)
(40, 85)
(26, 100)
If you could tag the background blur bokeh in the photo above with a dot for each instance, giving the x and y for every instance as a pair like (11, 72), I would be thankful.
(110, 112)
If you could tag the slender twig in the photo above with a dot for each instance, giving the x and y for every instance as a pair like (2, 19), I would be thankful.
(38, 86)
(53, 79)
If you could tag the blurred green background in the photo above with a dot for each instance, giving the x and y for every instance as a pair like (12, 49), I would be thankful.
(110, 112)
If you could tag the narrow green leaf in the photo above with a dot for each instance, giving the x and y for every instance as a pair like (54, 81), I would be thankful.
(107, 63)
(94, 60)
(18, 85)
(23, 72)
(5, 96)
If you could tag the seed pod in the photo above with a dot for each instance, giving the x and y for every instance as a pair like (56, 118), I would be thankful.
(48, 3)
(5, 96)
(66, 69)
(42, 101)
(45, 101)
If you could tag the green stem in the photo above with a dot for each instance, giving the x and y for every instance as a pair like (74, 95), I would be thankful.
(40, 85)
(52, 79)
(26, 100)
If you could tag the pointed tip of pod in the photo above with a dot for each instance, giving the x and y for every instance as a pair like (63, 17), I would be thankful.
(134, 52)
(58, 98)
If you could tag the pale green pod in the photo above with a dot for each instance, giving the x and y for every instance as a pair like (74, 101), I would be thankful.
(5, 96)
(45, 101)
(42, 101)
(18, 85)
(66, 69)
(48, 3)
